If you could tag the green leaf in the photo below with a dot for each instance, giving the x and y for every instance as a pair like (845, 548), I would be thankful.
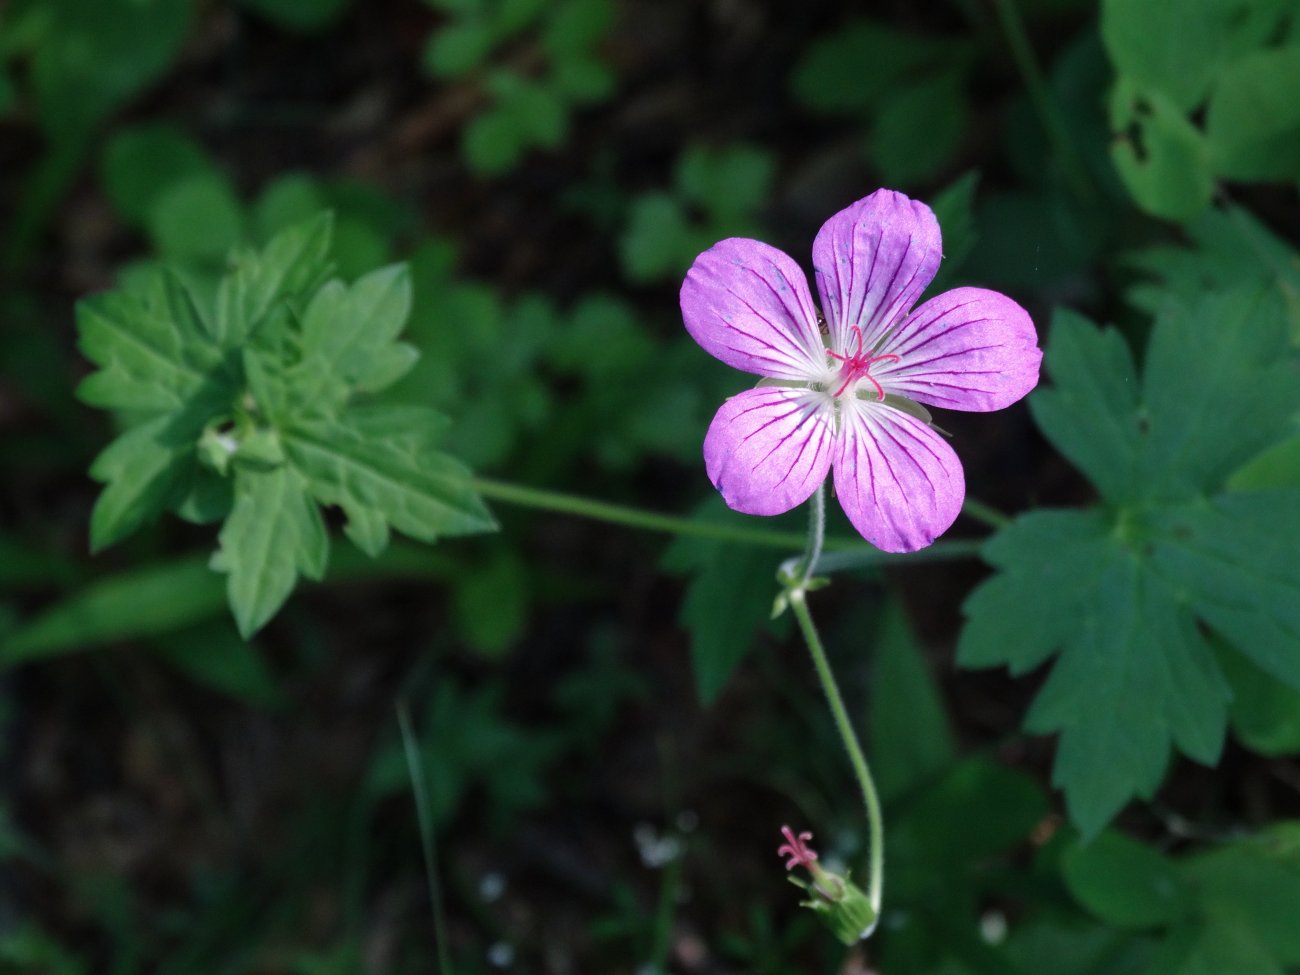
(1090, 411)
(140, 470)
(143, 161)
(1135, 679)
(658, 241)
(1206, 414)
(492, 142)
(349, 333)
(729, 183)
(214, 656)
(860, 64)
(729, 596)
(299, 15)
(197, 218)
(1254, 885)
(911, 740)
(1126, 883)
(459, 47)
(274, 532)
(1177, 47)
(1162, 157)
(491, 603)
(95, 55)
(1265, 714)
(953, 207)
(381, 476)
(919, 128)
(142, 602)
(295, 263)
(1234, 558)
(1253, 122)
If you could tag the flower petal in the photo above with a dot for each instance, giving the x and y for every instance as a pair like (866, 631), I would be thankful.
(748, 304)
(899, 482)
(767, 449)
(871, 262)
(966, 349)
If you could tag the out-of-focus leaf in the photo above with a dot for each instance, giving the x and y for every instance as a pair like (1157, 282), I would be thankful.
(197, 218)
(1126, 883)
(299, 15)
(918, 129)
(1253, 122)
(142, 162)
(1160, 155)
(491, 603)
(1265, 713)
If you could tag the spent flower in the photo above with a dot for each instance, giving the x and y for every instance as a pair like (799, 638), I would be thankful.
(839, 902)
(842, 393)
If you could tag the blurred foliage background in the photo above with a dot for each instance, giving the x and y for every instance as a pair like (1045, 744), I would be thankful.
(611, 730)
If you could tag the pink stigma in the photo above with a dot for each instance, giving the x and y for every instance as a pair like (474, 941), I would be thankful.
(797, 849)
(858, 365)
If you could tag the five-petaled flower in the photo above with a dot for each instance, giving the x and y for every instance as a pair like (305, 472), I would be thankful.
(850, 401)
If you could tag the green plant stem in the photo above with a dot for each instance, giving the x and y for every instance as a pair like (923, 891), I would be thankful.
(980, 511)
(875, 821)
(424, 812)
(863, 556)
(1049, 113)
(812, 552)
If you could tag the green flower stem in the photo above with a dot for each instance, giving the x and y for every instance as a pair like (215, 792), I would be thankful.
(812, 552)
(979, 511)
(875, 881)
(1049, 113)
(853, 553)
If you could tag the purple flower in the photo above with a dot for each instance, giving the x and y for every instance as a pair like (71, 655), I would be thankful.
(846, 395)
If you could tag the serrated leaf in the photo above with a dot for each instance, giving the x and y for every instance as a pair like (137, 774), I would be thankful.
(381, 477)
(1135, 679)
(140, 471)
(1090, 411)
(348, 331)
(274, 532)
(1206, 414)
(1126, 883)
(152, 349)
(294, 264)
(1234, 557)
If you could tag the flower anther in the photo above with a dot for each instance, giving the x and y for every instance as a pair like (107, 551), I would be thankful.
(858, 366)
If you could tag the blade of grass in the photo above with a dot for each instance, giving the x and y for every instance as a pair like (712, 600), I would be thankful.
(424, 812)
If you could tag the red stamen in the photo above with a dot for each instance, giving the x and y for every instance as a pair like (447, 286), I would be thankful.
(859, 365)
(797, 849)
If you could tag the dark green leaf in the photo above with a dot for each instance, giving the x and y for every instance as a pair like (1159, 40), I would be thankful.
(141, 162)
(911, 741)
(1090, 411)
(1126, 883)
(1265, 713)
(919, 128)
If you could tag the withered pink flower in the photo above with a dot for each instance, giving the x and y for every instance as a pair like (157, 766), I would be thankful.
(850, 402)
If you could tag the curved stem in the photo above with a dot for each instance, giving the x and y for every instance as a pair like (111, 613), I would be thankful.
(863, 555)
(870, 799)
(812, 552)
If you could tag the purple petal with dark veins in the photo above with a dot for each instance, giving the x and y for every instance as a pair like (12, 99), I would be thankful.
(767, 449)
(748, 304)
(966, 349)
(871, 262)
(899, 482)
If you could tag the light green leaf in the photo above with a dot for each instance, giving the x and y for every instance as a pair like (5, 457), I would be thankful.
(152, 349)
(348, 332)
(657, 241)
(1126, 883)
(1265, 713)
(728, 183)
(295, 263)
(274, 532)
(140, 470)
(1177, 47)
(1253, 122)
(1160, 155)
(380, 476)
